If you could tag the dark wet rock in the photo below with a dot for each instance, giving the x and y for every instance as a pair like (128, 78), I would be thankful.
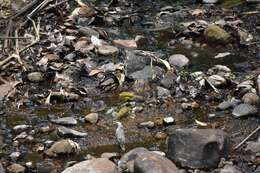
(147, 73)
(127, 160)
(100, 165)
(169, 79)
(179, 60)
(16, 168)
(217, 80)
(244, 109)
(197, 148)
(35, 76)
(108, 50)
(64, 131)
(251, 98)
(154, 163)
(2, 170)
(148, 124)
(163, 92)
(216, 34)
(65, 121)
(46, 166)
(230, 169)
(92, 118)
(63, 147)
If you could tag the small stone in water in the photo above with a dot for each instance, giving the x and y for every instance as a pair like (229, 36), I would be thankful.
(179, 60)
(168, 120)
(92, 118)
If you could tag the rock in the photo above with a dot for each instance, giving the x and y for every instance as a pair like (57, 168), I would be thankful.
(63, 147)
(216, 34)
(197, 148)
(154, 163)
(244, 109)
(148, 124)
(15, 155)
(100, 165)
(69, 121)
(66, 132)
(168, 120)
(217, 80)
(131, 44)
(127, 160)
(179, 60)
(163, 92)
(209, 1)
(230, 169)
(160, 135)
(169, 79)
(109, 155)
(258, 84)
(92, 118)
(147, 73)
(135, 62)
(226, 105)
(47, 166)
(20, 128)
(253, 146)
(35, 76)
(16, 168)
(108, 50)
(251, 98)
(2, 170)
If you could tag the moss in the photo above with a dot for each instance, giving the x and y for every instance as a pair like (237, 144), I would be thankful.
(216, 34)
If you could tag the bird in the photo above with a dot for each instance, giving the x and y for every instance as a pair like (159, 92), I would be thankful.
(120, 135)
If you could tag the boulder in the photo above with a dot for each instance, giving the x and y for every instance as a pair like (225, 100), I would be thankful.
(151, 162)
(100, 165)
(197, 148)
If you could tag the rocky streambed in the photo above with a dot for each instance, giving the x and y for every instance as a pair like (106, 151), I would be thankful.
(182, 77)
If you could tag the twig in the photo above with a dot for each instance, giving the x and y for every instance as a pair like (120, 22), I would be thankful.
(7, 33)
(18, 51)
(249, 136)
(56, 4)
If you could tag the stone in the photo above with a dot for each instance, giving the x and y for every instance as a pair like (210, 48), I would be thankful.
(244, 109)
(209, 1)
(179, 60)
(168, 120)
(127, 160)
(20, 128)
(131, 44)
(46, 166)
(230, 169)
(35, 76)
(92, 118)
(258, 84)
(100, 165)
(148, 124)
(147, 73)
(217, 80)
(15, 155)
(2, 169)
(253, 146)
(108, 50)
(160, 135)
(197, 148)
(69, 121)
(154, 163)
(216, 34)
(169, 80)
(163, 92)
(16, 168)
(226, 105)
(66, 132)
(135, 62)
(251, 98)
(109, 155)
(64, 146)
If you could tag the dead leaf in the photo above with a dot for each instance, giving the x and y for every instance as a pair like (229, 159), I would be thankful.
(131, 44)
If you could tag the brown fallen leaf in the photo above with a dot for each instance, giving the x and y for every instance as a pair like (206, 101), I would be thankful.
(131, 44)
(7, 88)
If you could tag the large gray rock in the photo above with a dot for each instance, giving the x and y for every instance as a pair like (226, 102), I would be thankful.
(127, 160)
(197, 148)
(154, 163)
(66, 132)
(147, 73)
(244, 109)
(100, 165)
(135, 62)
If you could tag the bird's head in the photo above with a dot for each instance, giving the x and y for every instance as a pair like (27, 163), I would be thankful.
(118, 123)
